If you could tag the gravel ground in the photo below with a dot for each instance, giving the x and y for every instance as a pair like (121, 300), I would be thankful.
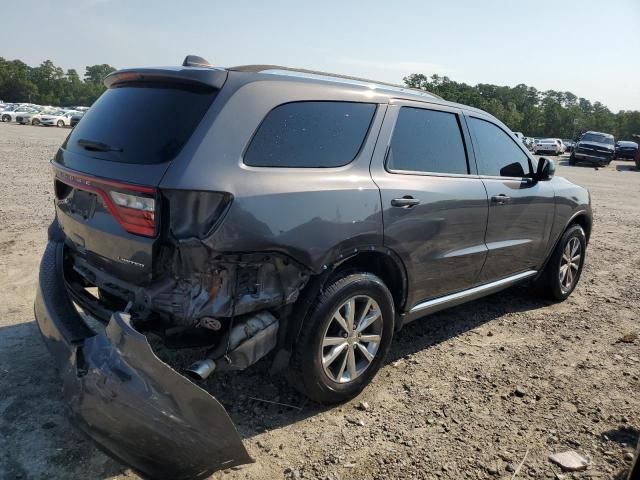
(467, 393)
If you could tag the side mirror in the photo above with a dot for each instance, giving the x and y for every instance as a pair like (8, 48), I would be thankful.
(546, 169)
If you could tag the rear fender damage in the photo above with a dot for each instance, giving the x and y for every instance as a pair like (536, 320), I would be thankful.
(200, 297)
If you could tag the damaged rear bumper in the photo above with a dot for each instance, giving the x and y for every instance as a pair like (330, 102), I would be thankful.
(118, 392)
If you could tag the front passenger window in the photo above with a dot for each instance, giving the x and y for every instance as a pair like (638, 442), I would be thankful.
(497, 153)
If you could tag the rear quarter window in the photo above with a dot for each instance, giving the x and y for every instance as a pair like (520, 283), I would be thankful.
(310, 134)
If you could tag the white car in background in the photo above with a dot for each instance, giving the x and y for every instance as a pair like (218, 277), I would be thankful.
(10, 115)
(34, 118)
(59, 118)
(550, 146)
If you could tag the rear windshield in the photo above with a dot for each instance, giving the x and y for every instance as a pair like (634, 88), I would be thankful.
(140, 123)
(594, 137)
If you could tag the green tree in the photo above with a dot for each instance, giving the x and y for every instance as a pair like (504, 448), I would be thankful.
(525, 109)
(96, 73)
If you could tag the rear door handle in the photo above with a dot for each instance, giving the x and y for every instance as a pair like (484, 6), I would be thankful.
(405, 202)
(500, 199)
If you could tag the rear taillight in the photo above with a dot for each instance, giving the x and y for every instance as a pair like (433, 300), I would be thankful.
(133, 206)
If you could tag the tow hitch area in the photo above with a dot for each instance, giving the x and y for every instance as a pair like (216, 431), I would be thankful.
(134, 406)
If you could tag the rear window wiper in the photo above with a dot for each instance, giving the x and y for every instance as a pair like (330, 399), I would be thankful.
(97, 146)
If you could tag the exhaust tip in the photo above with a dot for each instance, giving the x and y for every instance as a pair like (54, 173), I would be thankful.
(201, 369)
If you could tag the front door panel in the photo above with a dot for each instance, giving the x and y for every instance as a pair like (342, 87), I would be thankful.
(521, 209)
(520, 220)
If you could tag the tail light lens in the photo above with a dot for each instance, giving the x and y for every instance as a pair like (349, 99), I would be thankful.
(133, 206)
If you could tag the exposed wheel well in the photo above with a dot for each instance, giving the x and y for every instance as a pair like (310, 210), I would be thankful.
(384, 266)
(584, 221)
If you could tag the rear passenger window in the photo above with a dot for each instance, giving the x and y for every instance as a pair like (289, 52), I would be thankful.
(310, 134)
(427, 141)
(497, 152)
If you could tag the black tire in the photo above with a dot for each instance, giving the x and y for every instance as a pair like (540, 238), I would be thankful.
(6, 118)
(60, 123)
(572, 159)
(35, 121)
(307, 373)
(549, 283)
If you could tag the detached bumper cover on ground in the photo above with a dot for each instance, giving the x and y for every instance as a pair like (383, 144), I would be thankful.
(119, 393)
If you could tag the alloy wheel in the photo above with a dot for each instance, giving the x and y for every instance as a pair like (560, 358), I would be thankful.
(570, 264)
(352, 339)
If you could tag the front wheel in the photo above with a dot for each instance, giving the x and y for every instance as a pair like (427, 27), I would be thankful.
(561, 274)
(344, 340)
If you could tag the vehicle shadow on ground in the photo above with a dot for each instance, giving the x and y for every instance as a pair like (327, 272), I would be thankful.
(32, 406)
(626, 168)
(565, 163)
(248, 395)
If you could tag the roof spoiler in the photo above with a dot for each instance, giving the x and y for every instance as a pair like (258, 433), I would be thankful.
(195, 70)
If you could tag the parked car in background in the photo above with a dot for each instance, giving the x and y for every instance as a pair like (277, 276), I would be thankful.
(626, 150)
(302, 214)
(76, 117)
(596, 148)
(10, 116)
(548, 146)
(59, 119)
(33, 118)
(8, 111)
(568, 144)
(530, 143)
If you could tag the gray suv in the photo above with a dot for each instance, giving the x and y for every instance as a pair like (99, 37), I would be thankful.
(262, 210)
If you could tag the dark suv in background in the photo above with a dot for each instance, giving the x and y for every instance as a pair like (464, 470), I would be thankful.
(285, 211)
(594, 147)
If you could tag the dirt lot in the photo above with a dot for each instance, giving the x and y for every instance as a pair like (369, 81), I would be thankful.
(467, 393)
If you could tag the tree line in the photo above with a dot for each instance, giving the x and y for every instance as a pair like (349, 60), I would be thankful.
(533, 112)
(524, 109)
(48, 84)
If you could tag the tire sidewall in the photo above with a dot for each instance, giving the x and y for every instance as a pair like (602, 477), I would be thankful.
(320, 386)
(575, 231)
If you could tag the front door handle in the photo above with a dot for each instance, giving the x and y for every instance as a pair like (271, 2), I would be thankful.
(500, 199)
(405, 202)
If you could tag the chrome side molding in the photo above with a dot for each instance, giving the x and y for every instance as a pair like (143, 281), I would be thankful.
(440, 303)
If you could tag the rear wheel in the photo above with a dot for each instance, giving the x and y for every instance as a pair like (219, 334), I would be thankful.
(344, 340)
(6, 118)
(60, 123)
(561, 274)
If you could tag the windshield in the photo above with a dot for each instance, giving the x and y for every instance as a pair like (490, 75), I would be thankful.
(142, 122)
(595, 137)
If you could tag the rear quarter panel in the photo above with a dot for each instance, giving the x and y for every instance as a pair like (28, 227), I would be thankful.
(315, 215)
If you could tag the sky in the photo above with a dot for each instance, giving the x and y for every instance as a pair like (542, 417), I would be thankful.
(588, 47)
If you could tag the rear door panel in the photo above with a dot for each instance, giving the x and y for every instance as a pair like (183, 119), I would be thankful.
(440, 240)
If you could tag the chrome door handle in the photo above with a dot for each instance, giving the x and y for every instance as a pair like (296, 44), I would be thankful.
(500, 199)
(405, 202)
